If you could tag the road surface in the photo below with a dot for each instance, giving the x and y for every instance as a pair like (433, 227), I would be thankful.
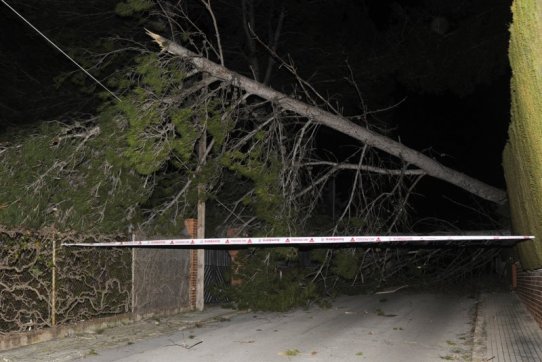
(394, 327)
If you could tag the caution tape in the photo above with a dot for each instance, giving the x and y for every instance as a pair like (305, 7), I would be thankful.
(311, 240)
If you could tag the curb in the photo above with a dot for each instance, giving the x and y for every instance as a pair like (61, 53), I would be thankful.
(11, 341)
(187, 319)
(216, 318)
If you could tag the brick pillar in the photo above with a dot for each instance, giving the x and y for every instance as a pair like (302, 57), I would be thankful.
(191, 226)
(234, 233)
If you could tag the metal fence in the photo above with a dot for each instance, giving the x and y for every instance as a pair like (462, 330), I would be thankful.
(217, 264)
(161, 278)
(43, 284)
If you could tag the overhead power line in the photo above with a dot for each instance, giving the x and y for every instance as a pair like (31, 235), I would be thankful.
(60, 50)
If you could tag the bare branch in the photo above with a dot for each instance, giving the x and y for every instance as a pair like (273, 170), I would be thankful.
(274, 46)
(368, 168)
(205, 82)
(247, 10)
(207, 4)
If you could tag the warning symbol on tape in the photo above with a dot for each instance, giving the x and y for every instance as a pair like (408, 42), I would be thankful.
(313, 240)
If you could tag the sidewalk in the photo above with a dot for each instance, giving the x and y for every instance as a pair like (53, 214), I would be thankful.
(505, 331)
(87, 344)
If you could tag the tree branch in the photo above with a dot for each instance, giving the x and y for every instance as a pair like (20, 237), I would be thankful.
(355, 167)
(338, 123)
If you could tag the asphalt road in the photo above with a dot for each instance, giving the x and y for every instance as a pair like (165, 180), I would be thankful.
(394, 327)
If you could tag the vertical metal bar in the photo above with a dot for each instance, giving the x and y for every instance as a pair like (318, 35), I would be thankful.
(53, 286)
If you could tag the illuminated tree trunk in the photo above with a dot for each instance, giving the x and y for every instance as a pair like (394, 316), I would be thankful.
(523, 153)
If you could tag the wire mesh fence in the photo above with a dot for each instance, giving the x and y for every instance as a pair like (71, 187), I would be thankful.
(161, 280)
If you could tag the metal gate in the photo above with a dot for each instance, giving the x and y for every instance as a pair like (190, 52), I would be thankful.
(217, 263)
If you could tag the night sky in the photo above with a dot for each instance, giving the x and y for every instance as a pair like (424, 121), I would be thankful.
(443, 64)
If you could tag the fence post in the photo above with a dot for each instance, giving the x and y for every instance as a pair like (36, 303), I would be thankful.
(53, 286)
(133, 277)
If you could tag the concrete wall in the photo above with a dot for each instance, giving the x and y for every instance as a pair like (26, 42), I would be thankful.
(522, 159)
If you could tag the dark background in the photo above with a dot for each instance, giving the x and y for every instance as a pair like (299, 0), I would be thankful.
(439, 67)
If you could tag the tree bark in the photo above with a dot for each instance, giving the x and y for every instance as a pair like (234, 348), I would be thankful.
(338, 123)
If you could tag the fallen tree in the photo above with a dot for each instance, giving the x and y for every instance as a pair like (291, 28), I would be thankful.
(428, 165)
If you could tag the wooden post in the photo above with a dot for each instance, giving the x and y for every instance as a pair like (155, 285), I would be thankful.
(200, 300)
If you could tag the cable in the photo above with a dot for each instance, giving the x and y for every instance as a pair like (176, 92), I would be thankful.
(60, 50)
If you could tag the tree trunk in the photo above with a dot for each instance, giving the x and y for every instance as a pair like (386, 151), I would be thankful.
(338, 123)
(522, 159)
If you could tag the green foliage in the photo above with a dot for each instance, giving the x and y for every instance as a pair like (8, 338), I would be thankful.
(187, 132)
(267, 199)
(219, 123)
(292, 352)
(345, 263)
(162, 136)
(71, 176)
(287, 253)
(319, 255)
(266, 286)
(151, 141)
(151, 73)
(132, 7)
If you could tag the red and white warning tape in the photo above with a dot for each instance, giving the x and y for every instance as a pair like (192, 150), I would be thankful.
(313, 240)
